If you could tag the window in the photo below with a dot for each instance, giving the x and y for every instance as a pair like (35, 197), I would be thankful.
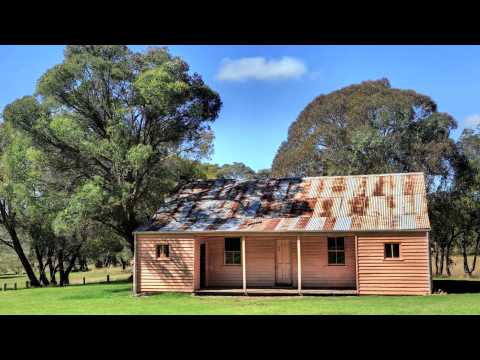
(336, 251)
(163, 251)
(392, 251)
(232, 251)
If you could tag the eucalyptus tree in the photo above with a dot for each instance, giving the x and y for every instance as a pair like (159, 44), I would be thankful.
(14, 176)
(113, 123)
(367, 128)
(468, 183)
(31, 208)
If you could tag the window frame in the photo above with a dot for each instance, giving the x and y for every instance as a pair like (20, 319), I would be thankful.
(336, 251)
(392, 258)
(158, 252)
(232, 252)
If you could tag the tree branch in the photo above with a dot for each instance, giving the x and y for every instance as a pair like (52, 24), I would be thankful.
(7, 243)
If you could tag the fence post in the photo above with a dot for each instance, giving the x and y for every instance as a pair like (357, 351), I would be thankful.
(4, 286)
(84, 280)
(108, 278)
(27, 284)
(15, 286)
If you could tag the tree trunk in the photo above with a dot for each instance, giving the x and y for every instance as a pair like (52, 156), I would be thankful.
(61, 271)
(8, 221)
(64, 278)
(448, 260)
(442, 260)
(124, 263)
(41, 267)
(466, 268)
(24, 260)
(53, 270)
(65, 274)
(130, 239)
(83, 263)
(477, 248)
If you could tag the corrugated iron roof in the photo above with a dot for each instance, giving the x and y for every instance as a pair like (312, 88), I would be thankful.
(327, 203)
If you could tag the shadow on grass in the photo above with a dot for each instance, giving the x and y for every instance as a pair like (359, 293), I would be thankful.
(106, 290)
(456, 286)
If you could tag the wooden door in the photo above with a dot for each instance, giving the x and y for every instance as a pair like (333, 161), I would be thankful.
(283, 263)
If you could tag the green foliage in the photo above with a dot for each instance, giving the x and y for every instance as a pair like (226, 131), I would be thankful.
(83, 206)
(263, 174)
(469, 145)
(237, 171)
(118, 129)
(364, 129)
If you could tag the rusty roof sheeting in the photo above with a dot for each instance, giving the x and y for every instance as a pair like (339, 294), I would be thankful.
(333, 203)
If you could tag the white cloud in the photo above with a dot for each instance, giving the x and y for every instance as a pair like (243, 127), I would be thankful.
(260, 68)
(472, 121)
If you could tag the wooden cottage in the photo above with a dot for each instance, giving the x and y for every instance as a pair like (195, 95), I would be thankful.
(333, 235)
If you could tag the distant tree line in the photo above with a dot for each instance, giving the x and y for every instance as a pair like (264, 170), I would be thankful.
(236, 170)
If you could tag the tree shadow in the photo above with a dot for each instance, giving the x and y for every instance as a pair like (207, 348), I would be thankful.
(456, 286)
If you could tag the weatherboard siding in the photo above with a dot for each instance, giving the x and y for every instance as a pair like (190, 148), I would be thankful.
(219, 274)
(409, 275)
(317, 273)
(376, 275)
(260, 254)
(172, 274)
(260, 263)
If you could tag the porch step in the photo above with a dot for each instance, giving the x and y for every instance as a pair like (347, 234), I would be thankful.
(276, 291)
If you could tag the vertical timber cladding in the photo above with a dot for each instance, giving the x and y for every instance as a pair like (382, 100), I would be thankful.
(408, 275)
(174, 273)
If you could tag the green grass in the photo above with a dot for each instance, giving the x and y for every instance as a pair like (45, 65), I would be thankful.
(92, 276)
(116, 298)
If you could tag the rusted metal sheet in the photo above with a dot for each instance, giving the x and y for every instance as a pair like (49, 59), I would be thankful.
(334, 203)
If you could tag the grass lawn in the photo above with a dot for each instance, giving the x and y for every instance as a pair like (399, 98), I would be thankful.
(116, 298)
(92, 276)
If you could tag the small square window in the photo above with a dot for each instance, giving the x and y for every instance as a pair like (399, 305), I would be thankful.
(336, 251)
(163, 251)
(392, 251)
(232, 251)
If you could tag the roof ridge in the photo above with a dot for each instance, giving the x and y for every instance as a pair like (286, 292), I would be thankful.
(367, 175)
(309, 177)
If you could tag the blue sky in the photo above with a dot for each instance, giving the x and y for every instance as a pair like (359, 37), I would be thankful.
(264, 88)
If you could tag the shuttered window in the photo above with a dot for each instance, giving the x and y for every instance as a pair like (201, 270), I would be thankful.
(392, 251)
(232, 251)
(163, 251)
(336, 251)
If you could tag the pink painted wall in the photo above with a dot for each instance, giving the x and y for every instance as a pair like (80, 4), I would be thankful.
(408, 275)
(260, 263)
(172, 274)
